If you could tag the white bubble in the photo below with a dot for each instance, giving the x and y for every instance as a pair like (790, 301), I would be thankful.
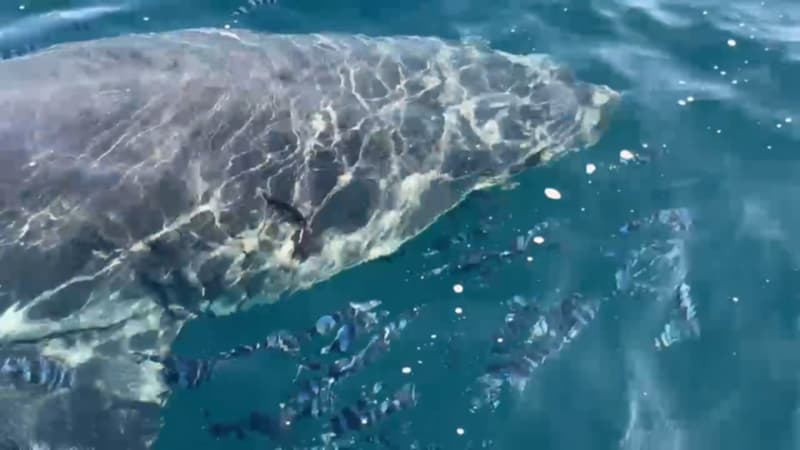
(458, 310)
(21, 7)
(227, 26)
(457, 288)
(682, 102)
(735, 299)
(433, 336)
(788, 120)
(626, 155)
(499, 340)
(406, 370)
(552, 194)
(690, 99)
(731, 43)
(146, 19)
(460, 431)
(538, 240)
(590, 168)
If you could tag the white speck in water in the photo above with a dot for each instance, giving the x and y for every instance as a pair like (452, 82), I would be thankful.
(499, 340)
(146, 19)
(788, 120)
(590, 168)
(769, 147)
(723, 72)
(529, 258)
(645, 145)
(539, 240)
(731, 43)
(705, 13)
(681, 82)
(457, 288)
(22, 7)
(227, 26)
(626, 155)
(690, 99)
(406, 370)
(458, 310)
(682, 102)
(735, 299)
(552, 194)
(460, 431)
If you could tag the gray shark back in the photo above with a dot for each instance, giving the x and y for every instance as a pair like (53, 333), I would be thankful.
(145, 179)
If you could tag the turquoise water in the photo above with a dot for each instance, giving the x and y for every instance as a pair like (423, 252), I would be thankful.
(713, 128)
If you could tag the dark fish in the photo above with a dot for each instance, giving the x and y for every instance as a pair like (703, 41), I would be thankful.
(252, 5)
(529, 336)
(187, 373)
(364, 414)
(344, 338)
(39, 371)
(191, 372)
(288, 211)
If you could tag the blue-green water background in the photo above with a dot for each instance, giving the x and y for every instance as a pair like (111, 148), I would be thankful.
(730, 157)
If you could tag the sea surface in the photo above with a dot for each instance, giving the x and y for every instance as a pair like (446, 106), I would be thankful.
(679, 235)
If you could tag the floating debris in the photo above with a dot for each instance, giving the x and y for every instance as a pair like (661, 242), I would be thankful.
(552, 194)
(458, 288)
(590, 168)
(626, 155)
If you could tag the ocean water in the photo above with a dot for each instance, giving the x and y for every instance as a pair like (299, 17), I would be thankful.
(679, 230)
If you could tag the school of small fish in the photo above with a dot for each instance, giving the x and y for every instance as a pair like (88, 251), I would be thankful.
(533, 330)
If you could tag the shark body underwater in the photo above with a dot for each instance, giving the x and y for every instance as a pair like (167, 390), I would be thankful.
(148, 179)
